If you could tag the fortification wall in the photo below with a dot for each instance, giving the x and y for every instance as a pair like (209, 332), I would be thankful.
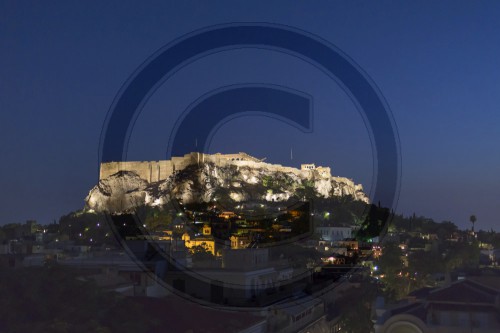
(267, 166)
(110, 168)
(180, 163)
(153, 171)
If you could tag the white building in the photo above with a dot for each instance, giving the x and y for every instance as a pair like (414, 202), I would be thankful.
(333, 234)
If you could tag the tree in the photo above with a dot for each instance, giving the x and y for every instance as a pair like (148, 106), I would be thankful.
(306, 191)
(201, 253)
(375, 221)
(445, 230)
(157, 219)
(391, 265)
(462, 255)
(342, 215)
(355, 308)
(390, 261)
(473, 220)
(421, 266)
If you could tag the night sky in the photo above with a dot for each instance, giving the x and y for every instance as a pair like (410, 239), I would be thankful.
(437, 65)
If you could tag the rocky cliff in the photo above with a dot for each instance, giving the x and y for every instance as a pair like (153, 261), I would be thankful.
(207, 181)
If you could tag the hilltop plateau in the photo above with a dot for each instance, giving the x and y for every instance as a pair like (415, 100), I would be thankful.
(196, 177)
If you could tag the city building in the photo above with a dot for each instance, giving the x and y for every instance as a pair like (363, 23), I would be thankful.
(334, 233)
(462, 307)
(205, 240)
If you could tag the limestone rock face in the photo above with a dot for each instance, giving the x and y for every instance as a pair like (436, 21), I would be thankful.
(208, 181)
(119, 192)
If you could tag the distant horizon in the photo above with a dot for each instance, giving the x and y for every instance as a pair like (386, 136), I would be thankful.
(56, 221)
(397, 212)
(81, 208)
(436, 66)
(407, 215)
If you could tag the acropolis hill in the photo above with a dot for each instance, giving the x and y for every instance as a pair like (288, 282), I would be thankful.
(197, 176)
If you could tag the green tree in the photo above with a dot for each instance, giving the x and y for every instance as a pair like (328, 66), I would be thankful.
(355, 308)
(3, 237)
(375, 221)
(391, 266)
(201, 253)
(390, 261)
(445, 230)
(306, 191)
(421, 266)
(157, 219)
(462, 255)
(473, 220)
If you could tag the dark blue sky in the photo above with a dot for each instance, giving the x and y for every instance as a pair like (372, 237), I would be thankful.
(62, 64)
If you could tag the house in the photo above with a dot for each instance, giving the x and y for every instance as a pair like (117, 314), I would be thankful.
(240, 241)
(464, 306)
(205, 240)
(246, 277)
(302, 313)
(333, 234)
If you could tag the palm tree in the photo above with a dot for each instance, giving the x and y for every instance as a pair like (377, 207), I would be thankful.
(472, 220)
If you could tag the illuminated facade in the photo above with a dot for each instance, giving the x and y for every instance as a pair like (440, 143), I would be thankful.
(205, 240)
